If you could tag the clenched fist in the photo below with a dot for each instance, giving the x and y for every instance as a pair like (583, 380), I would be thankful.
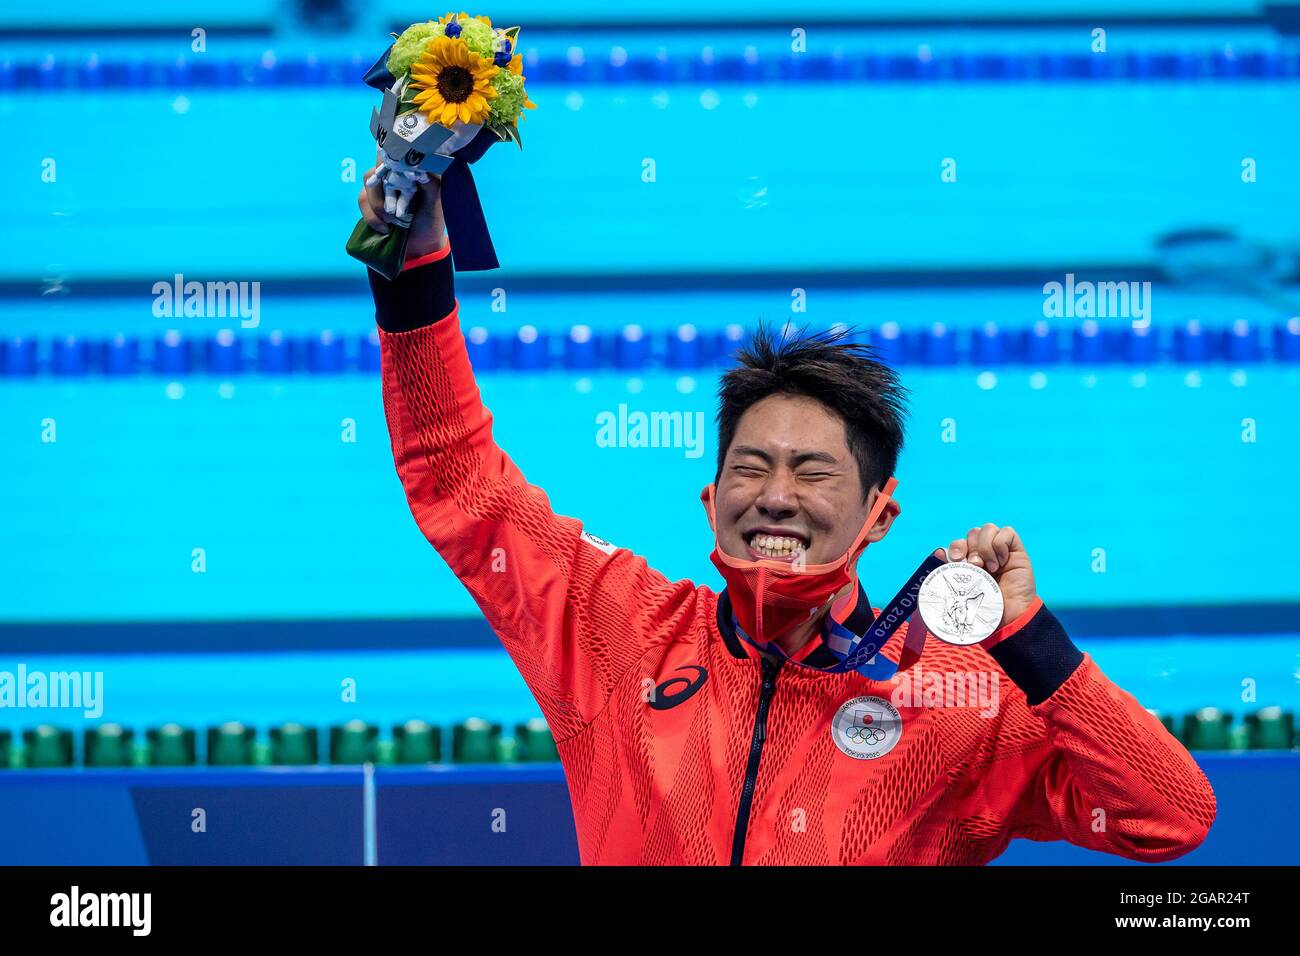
(428, 231)
(1000, 552)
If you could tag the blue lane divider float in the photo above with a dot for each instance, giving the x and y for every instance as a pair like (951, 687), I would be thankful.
(172, 354)
(225, 353)
(120, 355)
(988, 346)
(632, 349)
(71, 356)
(1286, 340)
(368, 355)
(581, 349)
(938, 346)
(275, 354)
(531, 350)
(891, 343)
(604, 66)
(684, 348)
(725, 343)
(1192, 343)
(326, 354)
(1041, 344)
(18, 358)
(1089, 344)
(482, 349)
(1242, 342)
(1140, 345)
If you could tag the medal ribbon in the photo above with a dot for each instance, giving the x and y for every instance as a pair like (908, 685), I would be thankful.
(861, 652)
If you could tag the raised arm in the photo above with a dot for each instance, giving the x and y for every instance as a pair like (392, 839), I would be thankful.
(573, 612)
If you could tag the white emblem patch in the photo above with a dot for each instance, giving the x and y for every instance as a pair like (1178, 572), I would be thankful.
(866, 727)
(598, 543)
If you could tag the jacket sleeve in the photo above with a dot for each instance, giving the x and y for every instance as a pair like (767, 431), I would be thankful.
(573, 612)
(1113, 778)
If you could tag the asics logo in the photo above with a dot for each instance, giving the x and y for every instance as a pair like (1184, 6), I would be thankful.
(676, 690)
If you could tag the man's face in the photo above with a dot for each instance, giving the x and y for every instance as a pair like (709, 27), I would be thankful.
(789, 488)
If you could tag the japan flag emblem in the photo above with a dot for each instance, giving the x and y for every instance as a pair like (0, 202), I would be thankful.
(865, 728)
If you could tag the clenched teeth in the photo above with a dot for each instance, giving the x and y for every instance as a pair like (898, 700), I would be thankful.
(773, 546)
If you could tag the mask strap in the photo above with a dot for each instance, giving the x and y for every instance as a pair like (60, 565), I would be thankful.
(873, 516)
(855, 549)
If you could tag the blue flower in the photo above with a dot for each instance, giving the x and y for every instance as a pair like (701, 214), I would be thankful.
(502, 58)
(452, 29)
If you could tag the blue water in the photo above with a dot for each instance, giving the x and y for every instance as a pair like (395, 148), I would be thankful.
(1142, 471)
(1147, 465)
(1075, 174)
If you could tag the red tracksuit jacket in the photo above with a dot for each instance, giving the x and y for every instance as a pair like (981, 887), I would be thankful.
(682, 745)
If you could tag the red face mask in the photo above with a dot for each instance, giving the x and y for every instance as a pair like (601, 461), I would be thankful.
(772, 598)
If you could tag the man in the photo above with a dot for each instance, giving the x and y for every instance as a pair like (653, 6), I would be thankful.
(703, 728)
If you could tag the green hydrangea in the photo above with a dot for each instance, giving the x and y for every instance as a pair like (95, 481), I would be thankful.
(509, 102)
(410, 45)
(478, 36)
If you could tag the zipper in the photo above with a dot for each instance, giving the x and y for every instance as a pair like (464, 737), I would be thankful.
(770, 669)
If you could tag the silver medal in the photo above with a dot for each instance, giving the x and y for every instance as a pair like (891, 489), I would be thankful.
(960, 603)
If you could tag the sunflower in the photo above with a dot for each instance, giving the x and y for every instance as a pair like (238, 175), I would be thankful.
(453, 83)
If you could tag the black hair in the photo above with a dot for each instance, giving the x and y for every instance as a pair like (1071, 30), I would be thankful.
(830, 367)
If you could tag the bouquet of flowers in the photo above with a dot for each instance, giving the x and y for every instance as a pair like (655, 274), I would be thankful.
(451, 89)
